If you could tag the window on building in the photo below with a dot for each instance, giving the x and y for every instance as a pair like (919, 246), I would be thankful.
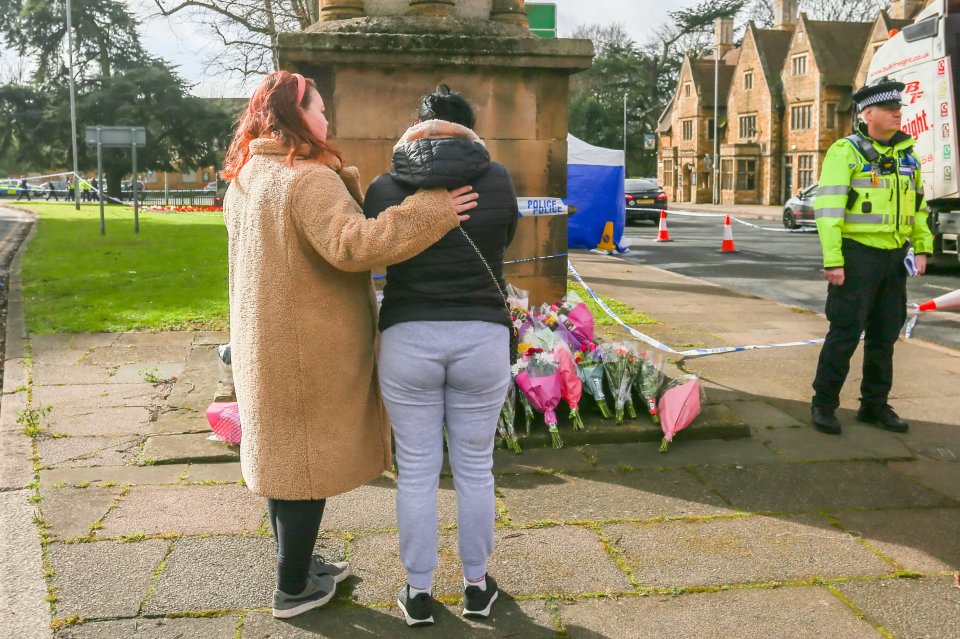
(668, 174)
(746, 175)
(688, 129)
(831, 116)
(710, 129)
(801, 117)
(748, 126)
(804, 171)
(748, 80)
(800, 64)
(726, 175)
(188, 177)
(686, 89)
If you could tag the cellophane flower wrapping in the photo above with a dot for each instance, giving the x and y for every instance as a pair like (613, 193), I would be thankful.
(680, 403)
(224, 420)
(576, 316)
(518, 297)
(515, 370)
(590, 371)
(571, 388)
(541, 384)
(618, 369)
(507, 418)
(650, 381)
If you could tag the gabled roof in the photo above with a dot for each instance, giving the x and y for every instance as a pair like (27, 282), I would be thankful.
(832, 44)
(665, 123)
(772, 47)
(703, 71)
(892, 23)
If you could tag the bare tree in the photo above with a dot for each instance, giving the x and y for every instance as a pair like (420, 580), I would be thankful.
(604, 36)
(245, 30)
(761, 11)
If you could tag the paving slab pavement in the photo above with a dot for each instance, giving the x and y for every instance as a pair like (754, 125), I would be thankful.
(781, 533)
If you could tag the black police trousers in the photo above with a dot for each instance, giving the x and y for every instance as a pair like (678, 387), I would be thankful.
(873, 299)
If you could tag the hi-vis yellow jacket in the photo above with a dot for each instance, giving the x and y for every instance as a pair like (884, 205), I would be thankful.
(859, 200)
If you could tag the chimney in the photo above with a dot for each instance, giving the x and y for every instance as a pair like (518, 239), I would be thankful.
(723, 34)
(784, 14)
(906, 9)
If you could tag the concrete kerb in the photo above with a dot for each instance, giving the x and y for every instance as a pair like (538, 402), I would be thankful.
(21, 551)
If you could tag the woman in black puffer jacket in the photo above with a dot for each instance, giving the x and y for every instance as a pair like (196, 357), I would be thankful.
(444, 346)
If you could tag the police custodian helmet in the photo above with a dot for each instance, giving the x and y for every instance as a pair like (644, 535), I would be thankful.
(884, 92)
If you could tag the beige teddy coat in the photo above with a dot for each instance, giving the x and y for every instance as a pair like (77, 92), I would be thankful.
(303, 320)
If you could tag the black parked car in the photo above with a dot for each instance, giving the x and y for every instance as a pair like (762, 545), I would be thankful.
(798, 211)
(644, 193)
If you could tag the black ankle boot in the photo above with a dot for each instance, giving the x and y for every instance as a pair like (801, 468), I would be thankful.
(825, 420)
(883, 416)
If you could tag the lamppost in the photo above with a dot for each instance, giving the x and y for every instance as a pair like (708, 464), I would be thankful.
(715, 169)
(73, 108)
(625, 134)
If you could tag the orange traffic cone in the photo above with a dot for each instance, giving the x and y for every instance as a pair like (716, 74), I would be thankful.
(663, 235)
(727, 245)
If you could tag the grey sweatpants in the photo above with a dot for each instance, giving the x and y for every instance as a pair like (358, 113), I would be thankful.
(453, 373)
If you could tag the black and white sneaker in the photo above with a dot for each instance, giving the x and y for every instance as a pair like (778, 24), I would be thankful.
(418, 611)
(339, 570)
(318, 591)
(478, 602)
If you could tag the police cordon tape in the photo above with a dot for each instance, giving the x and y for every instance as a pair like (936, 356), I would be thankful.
(721, 216)
(687, 354)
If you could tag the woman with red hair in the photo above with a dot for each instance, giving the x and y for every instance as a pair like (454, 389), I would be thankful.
(303, 320)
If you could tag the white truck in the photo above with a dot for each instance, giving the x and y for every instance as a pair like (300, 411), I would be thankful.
(925, 56)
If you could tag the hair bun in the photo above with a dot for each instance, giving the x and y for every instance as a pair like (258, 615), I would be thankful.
(442, 89)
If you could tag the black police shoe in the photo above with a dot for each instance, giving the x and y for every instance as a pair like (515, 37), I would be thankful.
(825, 420)
(883, 416)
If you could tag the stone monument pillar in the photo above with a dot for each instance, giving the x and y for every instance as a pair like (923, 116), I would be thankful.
(372, 60)
(340, 9)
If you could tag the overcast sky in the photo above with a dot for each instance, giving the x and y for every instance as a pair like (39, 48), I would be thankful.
(186, 47)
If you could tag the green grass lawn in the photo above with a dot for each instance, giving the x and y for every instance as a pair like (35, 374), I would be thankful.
(172, 276)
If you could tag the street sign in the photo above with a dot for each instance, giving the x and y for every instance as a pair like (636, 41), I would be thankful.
(542, 17)
(123, 136)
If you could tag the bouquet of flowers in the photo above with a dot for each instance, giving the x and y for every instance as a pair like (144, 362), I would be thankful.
(619, 364)
(650, 380)
(518, 298)
(521, 365)
(679, 406)
(541, 384)
(571, 388)
(577, 318)
(507, 417)
(590, 372)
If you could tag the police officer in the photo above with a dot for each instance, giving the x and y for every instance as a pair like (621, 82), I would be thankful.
(869, 205)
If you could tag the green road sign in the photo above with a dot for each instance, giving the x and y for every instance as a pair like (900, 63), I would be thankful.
(543, 19)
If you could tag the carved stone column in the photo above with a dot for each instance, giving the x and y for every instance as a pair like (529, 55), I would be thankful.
(512, 11)
(340, 9)
(431, 8)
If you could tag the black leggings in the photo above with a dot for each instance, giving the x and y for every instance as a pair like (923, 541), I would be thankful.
(296, 524)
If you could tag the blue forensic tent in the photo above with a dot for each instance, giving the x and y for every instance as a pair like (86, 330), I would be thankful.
(595, 186)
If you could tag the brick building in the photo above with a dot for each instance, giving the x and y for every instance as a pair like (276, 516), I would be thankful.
(785, 98)
(817, 76)
(750, 156)
(687, 126)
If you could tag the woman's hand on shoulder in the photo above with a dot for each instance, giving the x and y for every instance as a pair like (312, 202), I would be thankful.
(463, 199)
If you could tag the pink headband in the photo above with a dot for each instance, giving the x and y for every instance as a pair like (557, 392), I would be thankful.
(301, 87)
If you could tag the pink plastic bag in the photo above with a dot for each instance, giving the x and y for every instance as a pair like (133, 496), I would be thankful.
(224, 420)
